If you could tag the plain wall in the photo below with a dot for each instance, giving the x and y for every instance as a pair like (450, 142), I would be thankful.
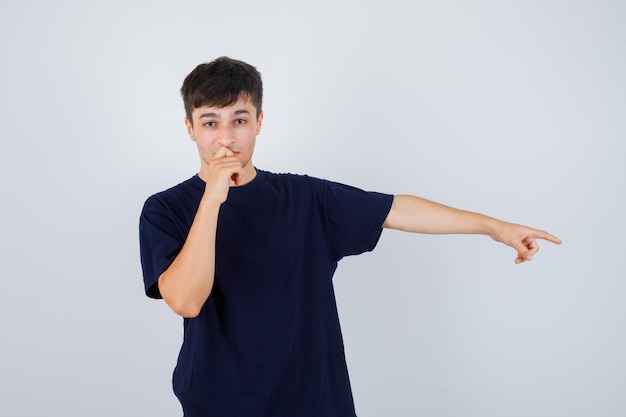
(511, 108)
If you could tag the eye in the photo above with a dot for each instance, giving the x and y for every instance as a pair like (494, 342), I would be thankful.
(240, 121)
(209, 124)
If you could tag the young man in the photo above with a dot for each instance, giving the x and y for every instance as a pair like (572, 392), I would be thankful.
(247, 258)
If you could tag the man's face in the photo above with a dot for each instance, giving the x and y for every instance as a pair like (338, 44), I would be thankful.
(233, 127)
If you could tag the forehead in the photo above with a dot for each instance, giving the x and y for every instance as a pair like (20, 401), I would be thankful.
(240, 107)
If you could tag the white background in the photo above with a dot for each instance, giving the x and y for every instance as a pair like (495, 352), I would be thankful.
(511, 108)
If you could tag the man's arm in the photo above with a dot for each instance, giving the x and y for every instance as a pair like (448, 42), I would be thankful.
(415, 214)
(187, 282)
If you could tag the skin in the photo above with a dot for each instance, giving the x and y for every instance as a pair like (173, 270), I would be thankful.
(414, 214)
(225, 137)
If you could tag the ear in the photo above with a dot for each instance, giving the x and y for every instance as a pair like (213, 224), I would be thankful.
(259, 122)
(190, 129)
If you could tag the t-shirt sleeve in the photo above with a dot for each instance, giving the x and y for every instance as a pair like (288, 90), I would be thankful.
(160, 241)
(354, 218)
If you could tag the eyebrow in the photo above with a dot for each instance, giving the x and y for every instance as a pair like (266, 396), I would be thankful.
(217, 116)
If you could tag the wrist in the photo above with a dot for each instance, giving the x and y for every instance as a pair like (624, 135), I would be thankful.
(493, 228)
(210, 201)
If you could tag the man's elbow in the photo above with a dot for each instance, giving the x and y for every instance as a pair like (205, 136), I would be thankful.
(185, 309)
(181, 304)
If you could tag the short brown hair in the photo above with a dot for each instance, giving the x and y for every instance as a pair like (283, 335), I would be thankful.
(221, 83)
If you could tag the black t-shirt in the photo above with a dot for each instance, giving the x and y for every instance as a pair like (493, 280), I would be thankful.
(267, 341)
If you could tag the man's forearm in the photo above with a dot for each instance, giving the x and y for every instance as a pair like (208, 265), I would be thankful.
(187, 282)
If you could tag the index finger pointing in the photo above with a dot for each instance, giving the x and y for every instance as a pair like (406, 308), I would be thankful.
(540, 234)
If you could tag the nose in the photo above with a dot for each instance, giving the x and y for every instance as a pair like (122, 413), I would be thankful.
(226, 137)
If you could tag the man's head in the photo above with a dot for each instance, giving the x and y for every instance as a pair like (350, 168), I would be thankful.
(221, 83)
